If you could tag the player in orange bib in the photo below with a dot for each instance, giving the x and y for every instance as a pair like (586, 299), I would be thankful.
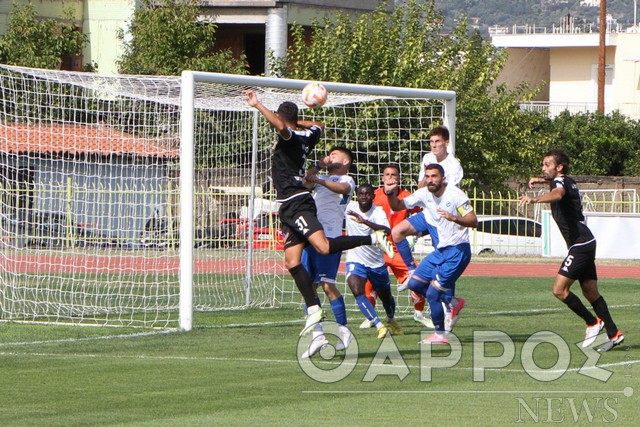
(391, 173)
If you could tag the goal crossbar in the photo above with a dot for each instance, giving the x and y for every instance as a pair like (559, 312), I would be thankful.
(192, 98)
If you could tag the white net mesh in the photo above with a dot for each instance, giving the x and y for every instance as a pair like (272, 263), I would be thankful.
(90, 197)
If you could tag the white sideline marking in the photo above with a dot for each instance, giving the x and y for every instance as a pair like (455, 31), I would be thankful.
(356, 319)
(72, 340)
(294, 361)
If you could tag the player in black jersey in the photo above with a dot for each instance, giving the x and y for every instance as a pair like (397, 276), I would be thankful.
(298, 215)
(579, 264)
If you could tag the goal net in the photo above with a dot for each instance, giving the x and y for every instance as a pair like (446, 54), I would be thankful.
(137, 201)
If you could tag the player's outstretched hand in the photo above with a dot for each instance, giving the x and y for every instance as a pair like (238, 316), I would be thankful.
(391, 188)
(525, 200)
(536, 180)
(356, 216)
(252, 98)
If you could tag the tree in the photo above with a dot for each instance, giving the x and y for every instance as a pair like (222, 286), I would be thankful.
(495, 139)
(598, 144)
(39, 43)
(164, 37)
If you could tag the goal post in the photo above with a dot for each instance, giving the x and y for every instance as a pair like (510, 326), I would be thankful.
(145, 201)
(200, 90)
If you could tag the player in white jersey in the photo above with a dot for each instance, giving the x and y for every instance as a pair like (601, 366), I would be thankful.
(367, 262)
(450, 209)
(439, 141)
(331, 194)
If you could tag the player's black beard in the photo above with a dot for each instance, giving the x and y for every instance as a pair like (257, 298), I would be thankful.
(434, 188)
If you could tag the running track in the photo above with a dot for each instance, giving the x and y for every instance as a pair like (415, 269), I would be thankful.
(100, 264)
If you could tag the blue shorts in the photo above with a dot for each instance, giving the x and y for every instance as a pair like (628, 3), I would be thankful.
(419, 222)
(445, 265)
(378, 276)
(321, 268)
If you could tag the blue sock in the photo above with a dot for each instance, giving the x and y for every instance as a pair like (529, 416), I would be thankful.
(367, 309)
(339, 310)
(405, 252)
(437, 312)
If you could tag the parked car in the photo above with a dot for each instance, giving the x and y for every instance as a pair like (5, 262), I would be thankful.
(233, 232)
(11, 227)
(52, 229)
(501, 235)
(267, 232)
(507, 235)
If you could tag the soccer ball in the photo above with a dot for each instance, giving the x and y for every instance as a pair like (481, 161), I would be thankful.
(314, 95)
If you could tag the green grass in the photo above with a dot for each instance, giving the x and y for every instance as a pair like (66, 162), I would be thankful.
(240, 368)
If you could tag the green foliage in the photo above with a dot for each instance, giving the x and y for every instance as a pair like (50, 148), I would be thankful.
(598, 144)
(407, 48)
(39, 43)
(165, 37)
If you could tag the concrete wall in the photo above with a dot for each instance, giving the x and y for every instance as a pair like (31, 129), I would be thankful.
(102, 21)
(574, 76)
(527, 65)
(627, 69)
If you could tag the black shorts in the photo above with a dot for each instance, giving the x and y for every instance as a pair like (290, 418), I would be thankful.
(580, 263)
(299, 219)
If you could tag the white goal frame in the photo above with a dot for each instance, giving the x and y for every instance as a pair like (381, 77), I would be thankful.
(187, 154)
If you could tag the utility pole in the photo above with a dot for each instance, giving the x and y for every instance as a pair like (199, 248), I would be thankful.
(602, 55)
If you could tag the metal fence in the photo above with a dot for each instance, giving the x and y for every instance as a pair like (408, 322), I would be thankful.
(221, 218)
(553, 109)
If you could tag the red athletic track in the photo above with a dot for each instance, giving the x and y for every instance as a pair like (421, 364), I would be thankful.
(136, 264)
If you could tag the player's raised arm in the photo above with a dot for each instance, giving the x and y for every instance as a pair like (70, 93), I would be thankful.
(274, 120)
(308, 124)
(391, 190)
(536, 180)
(372, 225)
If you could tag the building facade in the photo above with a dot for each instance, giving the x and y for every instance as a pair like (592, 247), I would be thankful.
(254, 27)
(565, 64)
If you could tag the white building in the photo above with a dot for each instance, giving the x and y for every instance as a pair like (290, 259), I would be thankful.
(566, 63)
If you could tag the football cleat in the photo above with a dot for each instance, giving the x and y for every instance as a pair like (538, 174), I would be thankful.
(424, 320)
(312, 320)
(344, 340)
(405, 283)
(451, 317)
(317, 343)
(434, 339)
(366, 324)
(592, 333)
(382, 242)
(617, 339)
(455, 311)
(382, 332)
(395, 328)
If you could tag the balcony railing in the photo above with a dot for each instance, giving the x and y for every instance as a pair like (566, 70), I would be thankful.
(553, 109)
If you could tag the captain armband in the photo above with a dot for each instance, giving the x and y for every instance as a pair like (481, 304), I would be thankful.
(465, 209)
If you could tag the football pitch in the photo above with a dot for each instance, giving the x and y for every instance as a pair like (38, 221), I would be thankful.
(517, 362)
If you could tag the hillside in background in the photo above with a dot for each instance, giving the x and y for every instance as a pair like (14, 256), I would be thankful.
(541, 13)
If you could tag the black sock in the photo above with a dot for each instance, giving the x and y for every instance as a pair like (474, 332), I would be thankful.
(388, 302)
(304, 282)
(342, 243)
(574, 303)
(602, 311)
